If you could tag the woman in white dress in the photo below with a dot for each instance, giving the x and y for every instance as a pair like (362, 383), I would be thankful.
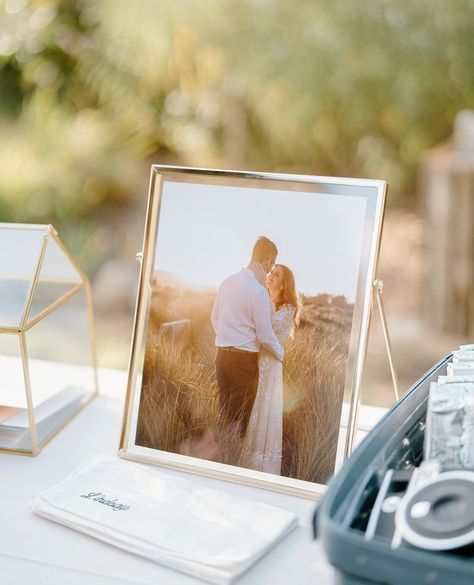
(262, 449)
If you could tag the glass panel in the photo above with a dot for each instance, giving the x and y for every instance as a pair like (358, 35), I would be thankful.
(14, 426)
(57, 265)
(19, 253)
(57, 277)
(61, 364)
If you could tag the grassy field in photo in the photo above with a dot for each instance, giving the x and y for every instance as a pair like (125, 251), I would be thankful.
(179, 407)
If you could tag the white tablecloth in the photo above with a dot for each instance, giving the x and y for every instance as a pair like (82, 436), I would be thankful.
(33, 550)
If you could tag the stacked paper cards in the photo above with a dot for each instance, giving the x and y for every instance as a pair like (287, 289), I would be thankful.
(450, 415)
(49, 415)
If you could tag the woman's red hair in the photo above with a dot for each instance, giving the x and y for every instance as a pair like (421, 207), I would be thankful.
(288, 294)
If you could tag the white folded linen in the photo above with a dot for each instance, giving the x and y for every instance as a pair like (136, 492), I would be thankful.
(207, 533)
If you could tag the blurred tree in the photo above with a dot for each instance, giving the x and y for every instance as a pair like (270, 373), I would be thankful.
(60, 158)
(91, 89)
(350, 88)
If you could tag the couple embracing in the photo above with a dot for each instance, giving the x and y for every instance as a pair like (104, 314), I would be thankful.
(254, 313)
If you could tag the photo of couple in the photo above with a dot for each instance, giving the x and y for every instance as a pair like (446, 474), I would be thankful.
(255, 312)
(248, 327)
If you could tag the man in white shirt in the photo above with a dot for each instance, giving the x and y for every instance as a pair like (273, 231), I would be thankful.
(241, 318)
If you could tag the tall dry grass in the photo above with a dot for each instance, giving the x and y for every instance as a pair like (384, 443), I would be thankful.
(179, 409)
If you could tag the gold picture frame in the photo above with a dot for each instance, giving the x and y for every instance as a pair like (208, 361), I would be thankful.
(368, 195)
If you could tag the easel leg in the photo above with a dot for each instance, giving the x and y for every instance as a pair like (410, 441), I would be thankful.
(378, 289)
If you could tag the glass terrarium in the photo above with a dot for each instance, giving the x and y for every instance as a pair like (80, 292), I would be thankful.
(47, 342)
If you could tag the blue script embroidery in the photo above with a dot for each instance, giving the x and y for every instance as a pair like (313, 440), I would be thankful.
(102, 499)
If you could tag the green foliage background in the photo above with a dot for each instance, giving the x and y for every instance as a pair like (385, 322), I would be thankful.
(93, 91)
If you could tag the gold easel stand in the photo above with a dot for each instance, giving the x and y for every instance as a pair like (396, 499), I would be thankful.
(378, 290)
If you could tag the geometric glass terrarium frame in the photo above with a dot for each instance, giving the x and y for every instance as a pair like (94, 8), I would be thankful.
(42, 292)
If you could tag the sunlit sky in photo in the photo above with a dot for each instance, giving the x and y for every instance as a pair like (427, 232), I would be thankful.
(207, 232)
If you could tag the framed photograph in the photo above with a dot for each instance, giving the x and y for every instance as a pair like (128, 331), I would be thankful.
(251, 324)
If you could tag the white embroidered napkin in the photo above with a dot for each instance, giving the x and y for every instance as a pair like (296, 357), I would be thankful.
(207, 533)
